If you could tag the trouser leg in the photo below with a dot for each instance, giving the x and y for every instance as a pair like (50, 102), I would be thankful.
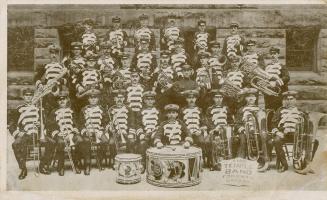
(242, 146)
(85, 148)
(60, 146)
(280, 153)
(19, 147)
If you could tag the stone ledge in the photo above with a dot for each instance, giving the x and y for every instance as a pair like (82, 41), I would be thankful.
(46, 33)
(313, 105)
(310, 92)
(307, 78)
(44, 42)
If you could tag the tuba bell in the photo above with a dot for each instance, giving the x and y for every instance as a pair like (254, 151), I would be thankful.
(252, 137)
(222, 59)
(259, 78)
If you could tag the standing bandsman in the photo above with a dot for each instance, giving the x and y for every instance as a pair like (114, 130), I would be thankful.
(172, 131)
(203, 78)
(50, 73)
(144, 59)
(252, 56)
(93, 122)
(25, 126)
(194, 119)
(218, 117)
(144, 32)
(150, 122)
(170, 34)
(106, 59)
(117, 37)
(124, 71)
(179, 56)
(89, 39)
(164, 75)
(201, 37)
(250, 114)
(288, 120)
(62, 127)
(281, 78)
(234, 42)
(217, 63)
(135, 92)
(89, 78)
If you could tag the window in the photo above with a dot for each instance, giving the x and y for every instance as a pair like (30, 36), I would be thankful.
(20, 49)
(301, 46)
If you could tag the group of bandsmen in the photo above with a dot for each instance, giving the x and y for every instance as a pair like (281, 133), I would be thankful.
(108, 99)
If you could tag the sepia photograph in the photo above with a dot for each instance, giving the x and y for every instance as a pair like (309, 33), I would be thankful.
(166, 97)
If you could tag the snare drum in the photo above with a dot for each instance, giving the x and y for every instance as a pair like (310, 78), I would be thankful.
(173, 166)
(128, 167)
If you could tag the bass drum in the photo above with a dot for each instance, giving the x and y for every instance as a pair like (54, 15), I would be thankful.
(174, 166)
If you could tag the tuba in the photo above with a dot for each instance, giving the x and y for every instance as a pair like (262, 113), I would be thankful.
(302, 142)
(252, 137)
(259, 78)
(229, 89)
(222, 59)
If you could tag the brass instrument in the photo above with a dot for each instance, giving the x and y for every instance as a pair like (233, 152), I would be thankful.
(48, 87)
(230, 90)
(252, 137)
(301, 143)
(259, 78)
(225, 132)
(36, 166)
(222, 59)
(164, 80)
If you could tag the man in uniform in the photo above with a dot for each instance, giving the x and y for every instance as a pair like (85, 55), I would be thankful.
(252, 56)
(234, 42)
(93, 126)
(50, 74)
(25, 126)
(281, 79)
(89, 39)
(286, 122)
(143, 58)
(170, 34)
(217, 63)
(62, 127)
(117, 37)
(172, 131)
(144, 32)
(218, 117)
(201, 37)
(179, 56)
(251, 115)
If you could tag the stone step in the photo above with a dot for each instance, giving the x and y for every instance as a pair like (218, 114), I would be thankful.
(313, 92)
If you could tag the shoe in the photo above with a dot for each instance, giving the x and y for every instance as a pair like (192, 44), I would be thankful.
(87, 171)
(43, 170)
(264, 167)
(61, 172)
(77, 170)
(22, 174)
(282, 169)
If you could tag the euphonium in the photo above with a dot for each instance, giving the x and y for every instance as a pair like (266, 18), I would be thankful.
(229, 89)
(48, 87)
(252, 137)
(259, 78)
(222, 60)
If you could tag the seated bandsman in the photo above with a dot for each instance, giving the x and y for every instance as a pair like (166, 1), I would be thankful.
(125, 125)
(201, 37)
(217, 63)
(144, 32)
(62, 127)
(281, 78)
(252, 56)
(144, 59)
(193, 117)
(233, 42)
(247, 119)
(93, 122)
(287, 121)
(172, 131)
(117, 37)
(50, 73)
(89, 39)
(25, 126)
(218, 117)
(170, 34)
(179, 56)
